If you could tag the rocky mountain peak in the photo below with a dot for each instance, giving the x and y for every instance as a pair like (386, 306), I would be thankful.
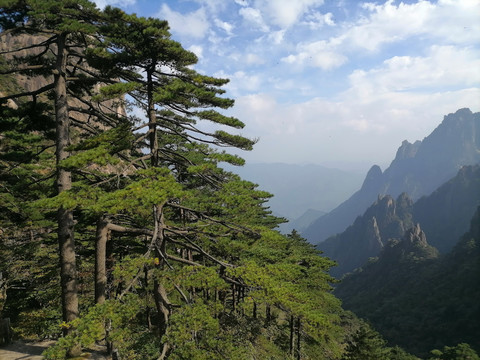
(373, 178)
(412, 247)
(407, 150)
(415, 236)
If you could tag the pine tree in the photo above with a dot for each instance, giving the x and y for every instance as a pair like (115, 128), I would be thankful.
(187, 262)
(59, 30)
(366, 344)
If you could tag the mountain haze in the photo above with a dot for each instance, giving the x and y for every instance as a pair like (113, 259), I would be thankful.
(418, 169)
(298, 188)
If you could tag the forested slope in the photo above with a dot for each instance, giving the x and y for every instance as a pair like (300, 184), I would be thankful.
(417, 299)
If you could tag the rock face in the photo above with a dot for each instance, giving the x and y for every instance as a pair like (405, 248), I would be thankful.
(444, 214)
(412, 247)
(387, 218)
(418, 169)
(32, 83)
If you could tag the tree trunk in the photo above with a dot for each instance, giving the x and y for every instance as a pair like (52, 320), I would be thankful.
(152, 119)
(100, 260)
(3, 293)
(292, 335)
(160, 294)
(66, 241)
(298, 339)
(163, 307)
(268, 314)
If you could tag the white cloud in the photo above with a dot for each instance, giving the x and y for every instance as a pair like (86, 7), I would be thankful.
(450, 21)
(276, 36)
(267, 116)
(254, 17)
(241, 2)
(227, 27)
(347, 129)
(317, 20)
(194, 24)
(321, 54)
(404, 97)
(197, 50)
(285, 13)
(214, 6)
(444, 67)
(253, 59)
(447, 22)
(240, 81)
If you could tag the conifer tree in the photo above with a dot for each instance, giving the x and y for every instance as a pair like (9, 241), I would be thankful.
(59, 29)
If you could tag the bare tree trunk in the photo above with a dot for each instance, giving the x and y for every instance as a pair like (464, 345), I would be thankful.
(163, 307)
(152, 118)
(298, 339)
(100, 260)
(292, 335)
(234, 298)
(3, 293)
(66, 241)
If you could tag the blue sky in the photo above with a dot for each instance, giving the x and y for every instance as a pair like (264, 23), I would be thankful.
(339, 82)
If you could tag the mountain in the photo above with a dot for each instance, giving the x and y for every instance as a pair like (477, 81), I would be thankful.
(418, 169)
(417, 299)
(385, 219)
(443, 216)
(297, 188)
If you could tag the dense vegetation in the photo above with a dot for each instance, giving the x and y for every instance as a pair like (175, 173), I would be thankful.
(117, 223)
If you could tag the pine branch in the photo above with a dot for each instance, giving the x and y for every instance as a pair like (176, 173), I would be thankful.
(28, 93)
(25, 68)
(231, 226)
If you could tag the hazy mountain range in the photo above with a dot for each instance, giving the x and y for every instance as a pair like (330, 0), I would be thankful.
(418, 169)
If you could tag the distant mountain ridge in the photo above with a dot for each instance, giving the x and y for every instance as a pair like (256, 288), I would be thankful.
(418, 169)
(443, 215)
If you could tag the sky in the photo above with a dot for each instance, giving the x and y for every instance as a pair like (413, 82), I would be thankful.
(333, 82)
